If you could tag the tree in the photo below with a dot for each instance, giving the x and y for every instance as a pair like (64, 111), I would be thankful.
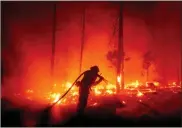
(147, 62)
(112, 57)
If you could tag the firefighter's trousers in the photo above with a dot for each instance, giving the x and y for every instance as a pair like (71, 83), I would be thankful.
(82, 100)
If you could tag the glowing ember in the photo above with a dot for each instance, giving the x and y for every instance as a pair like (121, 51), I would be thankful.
(139, 94)
(95, 104)
(136, 83)
(75, 94)
(133, 84)
(29, 91)
(174, 83)
(110, 86)
(109, 91)
(123, 102)
(68, 85)
(99, 90)
(56, 97)
(156, 83)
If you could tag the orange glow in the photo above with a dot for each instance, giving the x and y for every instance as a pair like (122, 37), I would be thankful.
(156, 83)
(55, 97)
(119, 79)
(99, 90)
(123, 102)
(95, 104)
(174, 83)
(134, 84)
(33, 82)
(139, 94)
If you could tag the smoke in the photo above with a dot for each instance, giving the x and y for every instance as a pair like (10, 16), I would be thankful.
(154, 29)
(165, 31)
(27, 41)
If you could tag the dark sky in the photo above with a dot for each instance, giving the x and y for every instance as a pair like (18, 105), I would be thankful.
(147, 26)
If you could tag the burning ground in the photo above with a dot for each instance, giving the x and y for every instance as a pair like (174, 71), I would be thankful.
(132, 106)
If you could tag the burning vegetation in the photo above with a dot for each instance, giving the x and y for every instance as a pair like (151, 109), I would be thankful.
(136, 88)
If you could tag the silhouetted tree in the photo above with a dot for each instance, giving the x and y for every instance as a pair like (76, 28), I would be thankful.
(147, 62)
(112, 57)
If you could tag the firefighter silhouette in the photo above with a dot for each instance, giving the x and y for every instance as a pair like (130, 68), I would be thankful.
(89, 80)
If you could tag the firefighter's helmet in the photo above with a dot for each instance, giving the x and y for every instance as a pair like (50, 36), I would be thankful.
(95, 68)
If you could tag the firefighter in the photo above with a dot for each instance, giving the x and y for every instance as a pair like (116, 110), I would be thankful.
(85, 84)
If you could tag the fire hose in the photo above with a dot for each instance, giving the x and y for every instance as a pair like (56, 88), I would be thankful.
(47, 110)
(71, 88)
(68, 89)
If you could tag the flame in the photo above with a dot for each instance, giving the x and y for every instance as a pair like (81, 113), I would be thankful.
(119, 79)
(174, 83)
(109, 91)
(156, 83)
(136, 83)
(139, 94)
(55, 96)
(29, 91)
(99, 90)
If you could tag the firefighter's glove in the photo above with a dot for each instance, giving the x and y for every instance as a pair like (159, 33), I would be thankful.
(101, 77)
(78, 83)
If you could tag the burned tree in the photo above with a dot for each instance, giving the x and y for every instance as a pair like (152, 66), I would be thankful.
(82, 39)
(53, 41)
(116, 55)
(147, 62)
(120, 63)
(112, 57)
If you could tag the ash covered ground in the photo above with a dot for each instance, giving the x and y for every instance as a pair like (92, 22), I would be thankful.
(160, 108)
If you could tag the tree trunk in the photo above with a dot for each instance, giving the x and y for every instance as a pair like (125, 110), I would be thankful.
(82, 40)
